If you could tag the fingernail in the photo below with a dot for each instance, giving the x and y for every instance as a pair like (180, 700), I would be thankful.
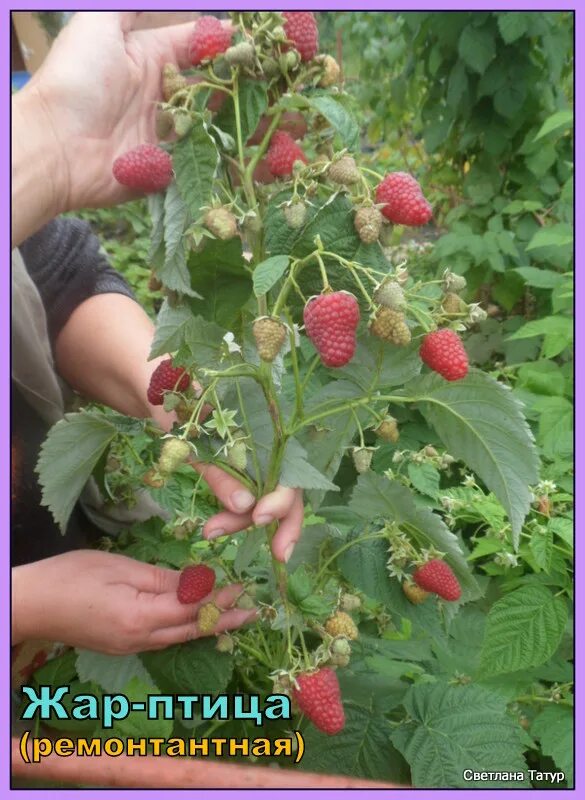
(242, 500)
(263, 519)
(288, 552)
(214, 533)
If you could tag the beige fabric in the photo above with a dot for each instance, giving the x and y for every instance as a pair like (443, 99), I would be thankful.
(32, 361)
(33, 371)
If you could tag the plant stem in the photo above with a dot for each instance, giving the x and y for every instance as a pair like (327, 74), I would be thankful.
(253, 652)
(312, 367)
(299, 405)
(363, 401)
(533, 698)
(263, 146)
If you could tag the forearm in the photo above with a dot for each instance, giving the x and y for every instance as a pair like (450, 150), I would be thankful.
(39, 176)
(24, 611)
(102, 352)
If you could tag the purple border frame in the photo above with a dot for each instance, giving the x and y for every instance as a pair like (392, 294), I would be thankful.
(181, 5)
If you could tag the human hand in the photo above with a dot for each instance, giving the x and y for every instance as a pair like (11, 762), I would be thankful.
(283, 505)
(98, 88)
(109, 603)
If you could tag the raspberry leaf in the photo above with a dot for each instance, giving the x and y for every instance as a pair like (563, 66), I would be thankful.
(195, 160)
(197, 667)
(480, 422)
(377, 363)
(523, 630)
(453, 728)
(268, 272)
(173, 329)
(111, 673)
(339, 118)
(68, 456)
(220, 276)
(376, 496)
(362, 749)
(298, 473)
(178, 328)
(333, 221)
(555, 728)
(156, 209)
(174, 273)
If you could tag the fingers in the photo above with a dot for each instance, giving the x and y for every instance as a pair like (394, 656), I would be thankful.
(187, 630)
(173, 41)
(289, 530)
(275, 505)
(226, 522)
(143, 577)
(165, 611)
(234, 618)
(99, 21)
(284, 504)
(228, 490)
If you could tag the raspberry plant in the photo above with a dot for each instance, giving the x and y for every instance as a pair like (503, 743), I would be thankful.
(280, 303)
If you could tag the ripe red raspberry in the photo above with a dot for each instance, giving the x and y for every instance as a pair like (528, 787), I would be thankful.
(319, 698)
(209, 39)
(282, 154)
(444, 353)
(436, 576)
(331, 321)
(405, 202)
(166, 378)
(301, 29)
(195, 583)
(145, 168)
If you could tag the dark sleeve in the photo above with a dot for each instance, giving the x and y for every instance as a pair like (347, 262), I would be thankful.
(67, 266)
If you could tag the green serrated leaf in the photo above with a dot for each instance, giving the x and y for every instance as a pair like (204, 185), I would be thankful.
(138, 724)
(220, 274)
(512, 25)
(268, 272)
(375, 496)
(541, 547)
(339, 118)
(195, 161)
(560, 120)
(174, 273)
(173, 329)
(457, 728)
(554, 727)
(196, 667)
(362, 749)
(523, 630)
(540, 278)
(381, 365)
(477, 48)
(156, 209)
(298, 473)
(481, 423)
(559, 235)
(546, 326)
(425, 478)
(68, 456)
(111, 673)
